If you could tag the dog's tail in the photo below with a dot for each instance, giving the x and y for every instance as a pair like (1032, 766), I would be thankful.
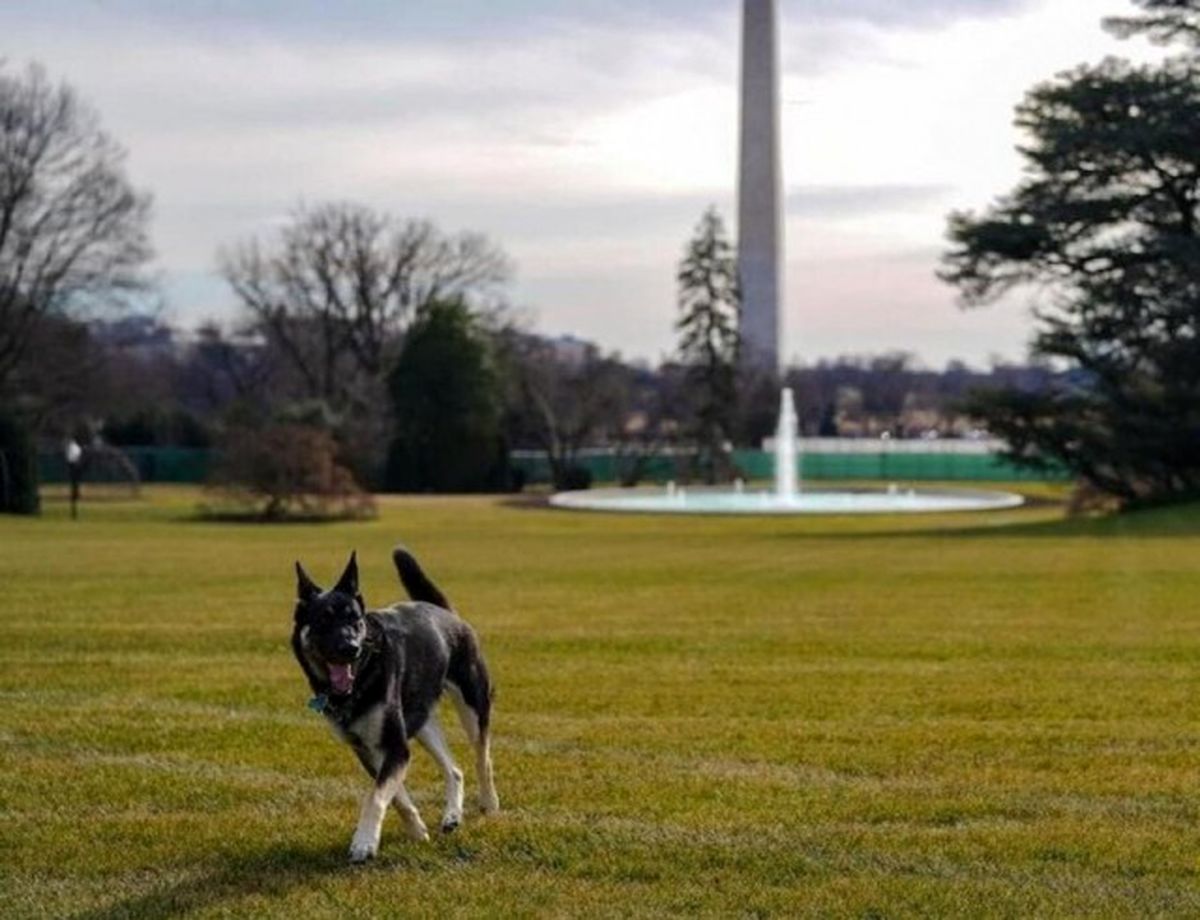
(415, 581)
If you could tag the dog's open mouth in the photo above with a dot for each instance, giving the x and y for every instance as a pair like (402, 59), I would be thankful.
(341, 677)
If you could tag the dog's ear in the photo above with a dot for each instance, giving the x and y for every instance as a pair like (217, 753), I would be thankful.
(306, 588)
(348, 583)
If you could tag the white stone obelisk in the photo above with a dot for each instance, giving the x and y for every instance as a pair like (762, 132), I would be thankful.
(760, 186)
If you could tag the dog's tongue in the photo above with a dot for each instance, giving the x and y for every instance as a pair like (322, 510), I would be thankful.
(342, 677)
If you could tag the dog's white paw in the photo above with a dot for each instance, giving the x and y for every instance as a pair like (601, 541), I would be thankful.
(450, 821)
(416, 829)
(362, 848)
(489, 802)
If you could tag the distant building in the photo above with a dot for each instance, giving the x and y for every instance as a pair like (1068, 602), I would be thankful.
(570, 349)
(142, 334)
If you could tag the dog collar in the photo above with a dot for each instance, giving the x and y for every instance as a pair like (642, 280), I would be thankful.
(326, 705)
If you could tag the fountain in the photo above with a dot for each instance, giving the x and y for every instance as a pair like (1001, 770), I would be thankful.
(787, 497)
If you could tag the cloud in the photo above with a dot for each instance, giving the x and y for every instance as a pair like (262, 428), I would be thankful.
(854, 200)
(455, 19)
(911, 12)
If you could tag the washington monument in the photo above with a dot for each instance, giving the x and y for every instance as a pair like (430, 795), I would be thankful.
(760, 185)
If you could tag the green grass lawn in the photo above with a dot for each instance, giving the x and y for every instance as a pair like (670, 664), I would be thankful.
(970, 714)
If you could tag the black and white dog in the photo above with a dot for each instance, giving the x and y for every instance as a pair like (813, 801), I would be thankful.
(377, 676)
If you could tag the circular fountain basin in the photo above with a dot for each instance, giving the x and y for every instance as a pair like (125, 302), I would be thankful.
(892, 500)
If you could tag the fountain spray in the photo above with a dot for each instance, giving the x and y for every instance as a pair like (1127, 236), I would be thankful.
(786, 485)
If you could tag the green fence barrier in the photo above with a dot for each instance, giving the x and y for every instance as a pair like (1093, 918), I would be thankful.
(758, 464)
(153, 464)
(192, 465)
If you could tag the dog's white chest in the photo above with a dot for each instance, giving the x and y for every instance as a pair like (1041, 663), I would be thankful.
(365, 733)
(368, 728)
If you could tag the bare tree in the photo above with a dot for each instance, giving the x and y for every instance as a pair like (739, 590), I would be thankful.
(72, 230)
(333, 293)
(283, 471)
(562, 404)
(62, 377)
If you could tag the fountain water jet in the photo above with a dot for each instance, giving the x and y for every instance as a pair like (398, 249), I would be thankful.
(785, 448)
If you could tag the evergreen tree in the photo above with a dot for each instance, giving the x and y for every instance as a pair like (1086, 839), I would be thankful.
(446, 397)
(1105, 223)
(1163, 21)
(709, 305)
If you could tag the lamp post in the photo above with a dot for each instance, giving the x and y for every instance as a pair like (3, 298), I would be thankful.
(74, 454)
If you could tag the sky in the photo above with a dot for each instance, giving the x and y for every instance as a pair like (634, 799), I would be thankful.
(586, 137)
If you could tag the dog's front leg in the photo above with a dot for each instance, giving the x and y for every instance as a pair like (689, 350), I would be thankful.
(389, 786)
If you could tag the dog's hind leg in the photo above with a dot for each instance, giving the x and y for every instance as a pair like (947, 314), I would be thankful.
(434, 742)
(389, 786)
(475, 724)
(489, 801)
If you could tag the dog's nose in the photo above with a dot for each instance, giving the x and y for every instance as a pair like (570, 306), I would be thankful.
(347, 649)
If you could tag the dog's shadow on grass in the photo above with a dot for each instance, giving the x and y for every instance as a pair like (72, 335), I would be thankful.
(269, 873)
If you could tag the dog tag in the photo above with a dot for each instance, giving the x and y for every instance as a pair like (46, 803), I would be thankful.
(319, 703)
